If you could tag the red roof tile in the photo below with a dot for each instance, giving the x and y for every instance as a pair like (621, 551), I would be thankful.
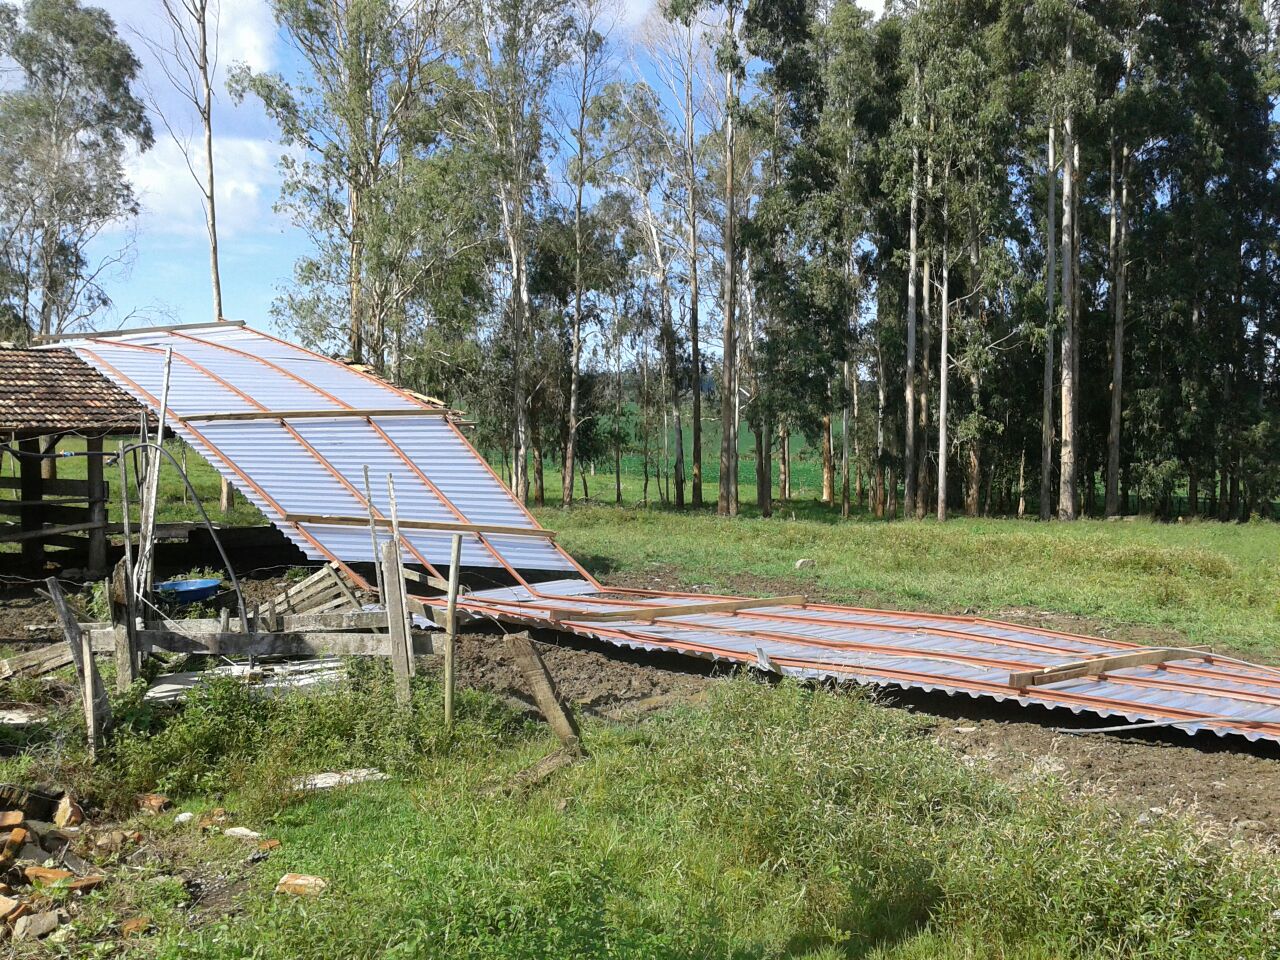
(54, 390)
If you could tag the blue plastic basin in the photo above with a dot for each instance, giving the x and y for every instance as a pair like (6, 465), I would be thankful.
(189, 591)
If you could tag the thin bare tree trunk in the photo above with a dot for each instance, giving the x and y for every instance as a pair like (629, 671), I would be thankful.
(1047, 420)
(728, 500)
(909, 446)
(944, 368)
(1067, 481)
(828, 463)
(1119, 270)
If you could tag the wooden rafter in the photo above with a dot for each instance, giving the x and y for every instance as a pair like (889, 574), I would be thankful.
(1097, 666)
(681, 610)
(447, 526)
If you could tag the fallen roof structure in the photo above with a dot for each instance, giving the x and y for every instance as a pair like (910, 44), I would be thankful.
(294, 430)
(1191, 690)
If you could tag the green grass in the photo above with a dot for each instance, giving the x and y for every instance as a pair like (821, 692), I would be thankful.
(1212, 583)
(770, 822)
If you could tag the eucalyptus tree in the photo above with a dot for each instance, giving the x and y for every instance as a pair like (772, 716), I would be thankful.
(67, 120)
(510, 52)
(589, 71)
(678, 58)
(188, 58)
(369, 72)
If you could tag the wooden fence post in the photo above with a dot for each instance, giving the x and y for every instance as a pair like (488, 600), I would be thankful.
(451, 627)
(97, 493)
(122, 620)
(393, 601)
(97, 709)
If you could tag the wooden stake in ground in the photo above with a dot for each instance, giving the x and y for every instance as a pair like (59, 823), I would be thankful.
(399, 571)
(126, 663)
(451, 627)
(543, 688)
(397, 636)
(97, 709)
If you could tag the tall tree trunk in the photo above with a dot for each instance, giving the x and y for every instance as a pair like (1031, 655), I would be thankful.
(764, 469)
(1119, 269)
(922, 405)
(691, 200)
(881, 405)
(575, 348)
(1047, 419)
(1068, 479)
(539, 478)
(784, 464)
(828, 463)
(353, 255)
(206, 116)
(1022, 484)
(673, 383)
(845, 414)
(728, 500)
(944, 369)
(909, 445)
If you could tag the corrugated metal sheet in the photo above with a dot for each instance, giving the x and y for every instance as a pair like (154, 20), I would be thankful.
(957, 655)
(315, 466)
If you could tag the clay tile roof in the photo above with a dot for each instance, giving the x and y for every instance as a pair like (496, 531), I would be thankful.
(54, 390)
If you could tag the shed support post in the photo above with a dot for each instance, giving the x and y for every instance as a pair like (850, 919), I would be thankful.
(32, 513)
(97, 509)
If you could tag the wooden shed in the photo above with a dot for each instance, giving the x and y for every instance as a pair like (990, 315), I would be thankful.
(47, 396)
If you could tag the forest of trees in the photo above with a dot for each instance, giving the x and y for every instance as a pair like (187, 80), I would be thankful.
(985, 256)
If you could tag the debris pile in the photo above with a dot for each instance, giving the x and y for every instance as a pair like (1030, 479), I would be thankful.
(46, 854)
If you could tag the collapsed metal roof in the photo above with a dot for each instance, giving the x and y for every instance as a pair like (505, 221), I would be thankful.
(293, 431)
(955, 655)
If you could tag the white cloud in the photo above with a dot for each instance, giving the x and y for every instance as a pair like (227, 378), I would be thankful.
(247, 32)
(246, 183)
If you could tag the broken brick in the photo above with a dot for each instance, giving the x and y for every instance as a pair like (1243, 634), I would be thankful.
(10, 819)
(268, 844)
(85, 884)
(8, 906)
(44, 876)
(301, 885)
(69, 813)
(153, 803)
(135, 926)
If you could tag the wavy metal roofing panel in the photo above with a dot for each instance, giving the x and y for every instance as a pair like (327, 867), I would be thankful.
(316, 466)
(957, 655)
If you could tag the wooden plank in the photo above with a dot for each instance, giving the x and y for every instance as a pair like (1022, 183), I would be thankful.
(59, 487)
(442, 525)
(107, 334)
(283, 644)
(396, 634)
(1100, 665)
(31, 536)
(427, 580)
(543, 688)
(126, 662)
(679, 610)
(332, 413)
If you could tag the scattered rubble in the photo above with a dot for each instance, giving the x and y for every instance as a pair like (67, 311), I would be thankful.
(241, 833)
(301, 885)
(183, 818)
(68, 813)
(36, 925)
(135, 926)
(806, 563)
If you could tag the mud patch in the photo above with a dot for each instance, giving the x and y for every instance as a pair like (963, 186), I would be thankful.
(596, 679)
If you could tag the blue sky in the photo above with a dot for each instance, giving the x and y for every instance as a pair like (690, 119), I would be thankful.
(168, 278)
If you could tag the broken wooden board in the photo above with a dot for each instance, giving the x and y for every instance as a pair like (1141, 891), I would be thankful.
(325, 590)
(284, 644)
(543, 687)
